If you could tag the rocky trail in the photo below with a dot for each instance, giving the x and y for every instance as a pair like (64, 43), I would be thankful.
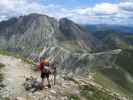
(14, 74)
(68, 87)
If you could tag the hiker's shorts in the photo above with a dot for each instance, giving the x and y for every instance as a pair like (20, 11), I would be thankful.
(44, 75)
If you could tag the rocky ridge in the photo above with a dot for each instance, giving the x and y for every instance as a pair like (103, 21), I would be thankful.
(68, 86)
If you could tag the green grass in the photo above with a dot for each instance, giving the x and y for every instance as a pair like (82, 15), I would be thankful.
(113, 82)
(7, 98)
(92, 93)
(7, 53)
(72, 97)
(1, 65)
(107, 83)
(115, 41)
(125, 60)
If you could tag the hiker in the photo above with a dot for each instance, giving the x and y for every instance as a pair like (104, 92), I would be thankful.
(45, 71)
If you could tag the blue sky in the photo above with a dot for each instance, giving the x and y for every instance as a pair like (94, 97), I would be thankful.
(77, 3)
(80, 11)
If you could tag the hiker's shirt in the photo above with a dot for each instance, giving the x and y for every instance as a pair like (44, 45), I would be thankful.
(44, 68)
(41, 67)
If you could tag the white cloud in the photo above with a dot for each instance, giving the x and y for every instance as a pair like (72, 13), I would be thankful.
(104, 13)
(99, 13)
(106, 8)
(10, 8)
(128, 6)
(2, 17)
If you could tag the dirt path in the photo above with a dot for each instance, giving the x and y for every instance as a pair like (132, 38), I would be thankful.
(14, 73)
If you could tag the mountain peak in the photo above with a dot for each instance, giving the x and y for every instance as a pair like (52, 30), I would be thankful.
(65, 19)
(36, 15)
(67, 22)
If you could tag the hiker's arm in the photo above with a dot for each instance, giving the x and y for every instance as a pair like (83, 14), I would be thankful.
(38, 66)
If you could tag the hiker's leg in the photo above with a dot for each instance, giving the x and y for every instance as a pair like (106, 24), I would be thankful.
(54, 78)
(42, 82)
(49, 85)
(43, 79)
(48, 81)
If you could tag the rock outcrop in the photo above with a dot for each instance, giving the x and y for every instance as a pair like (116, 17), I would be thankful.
(29, 34)
(79, 62)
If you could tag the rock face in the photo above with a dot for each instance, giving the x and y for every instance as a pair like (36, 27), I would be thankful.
(74, 32)
(29, 34)
(79, 61)
(63, 41)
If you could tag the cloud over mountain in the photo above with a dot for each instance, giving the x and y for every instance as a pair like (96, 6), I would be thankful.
(128, 6)
(99, 13)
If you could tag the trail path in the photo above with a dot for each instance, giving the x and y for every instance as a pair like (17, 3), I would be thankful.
(14, 72)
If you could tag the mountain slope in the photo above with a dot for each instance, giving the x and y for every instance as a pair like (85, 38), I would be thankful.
(74, 32)
(116, 37)
(27, 34)
(31, 33)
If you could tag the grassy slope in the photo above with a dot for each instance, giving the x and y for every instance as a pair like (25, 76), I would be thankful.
(125, 60)
(114, 80)
(117, 78)
(92, 93)
(89, 92)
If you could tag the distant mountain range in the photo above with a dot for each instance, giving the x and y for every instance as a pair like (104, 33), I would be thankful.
(114, 36)
(111, 28)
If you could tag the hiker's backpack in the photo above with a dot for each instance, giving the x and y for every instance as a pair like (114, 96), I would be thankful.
(46, 69)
